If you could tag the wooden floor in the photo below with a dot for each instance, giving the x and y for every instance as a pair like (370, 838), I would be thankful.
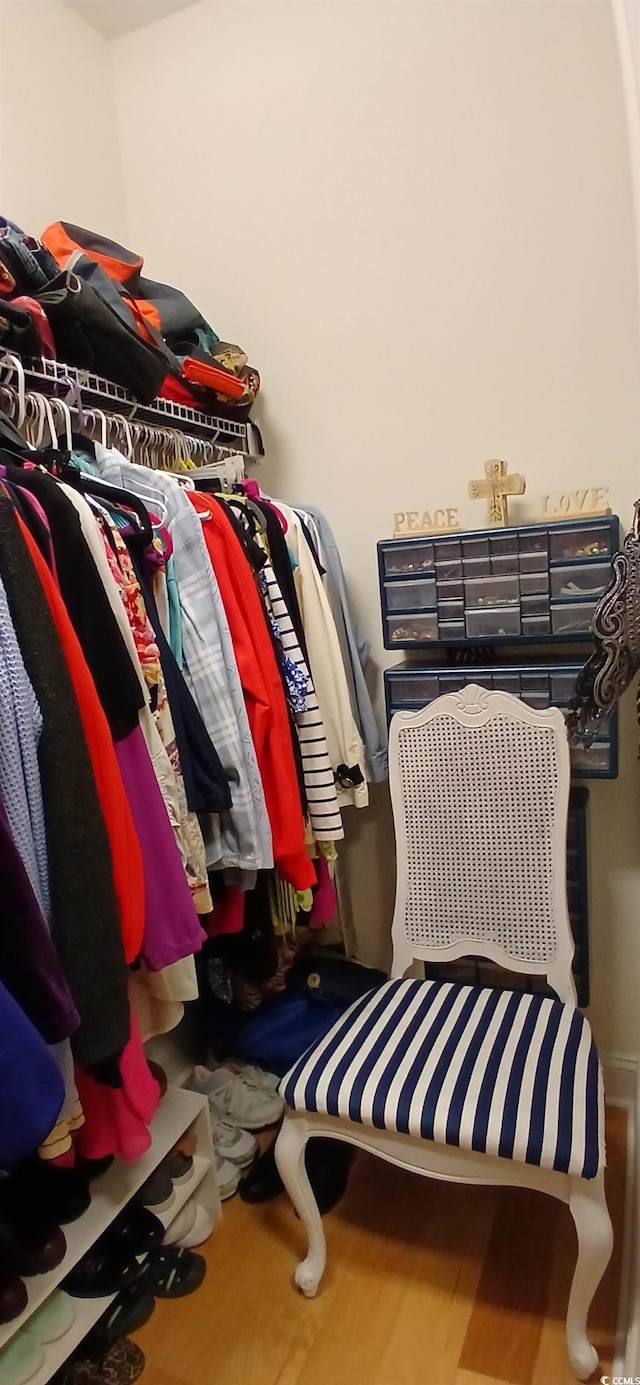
(426, 1284)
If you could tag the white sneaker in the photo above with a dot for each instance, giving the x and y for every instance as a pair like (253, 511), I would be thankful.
(191, 1227)
(231, 1143)
(256, 1077)
(233, 1098)
(228, 1178)
(200, 1231)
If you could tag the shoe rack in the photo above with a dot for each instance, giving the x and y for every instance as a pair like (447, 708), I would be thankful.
(177, 1111)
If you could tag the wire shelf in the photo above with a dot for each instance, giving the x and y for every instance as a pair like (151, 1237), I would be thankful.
(50, 377)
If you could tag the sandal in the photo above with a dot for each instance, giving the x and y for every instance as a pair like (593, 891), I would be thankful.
(173, 1273)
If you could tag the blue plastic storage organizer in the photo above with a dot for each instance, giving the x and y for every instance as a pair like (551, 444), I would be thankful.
(506, 589)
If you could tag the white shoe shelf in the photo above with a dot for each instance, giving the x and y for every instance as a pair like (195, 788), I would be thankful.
(177, 1111)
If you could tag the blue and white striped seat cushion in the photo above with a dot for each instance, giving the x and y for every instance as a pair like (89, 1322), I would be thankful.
(501, 1072)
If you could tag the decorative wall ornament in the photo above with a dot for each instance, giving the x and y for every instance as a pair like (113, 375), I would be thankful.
(496, 488)
(422, 522)
(587, 500)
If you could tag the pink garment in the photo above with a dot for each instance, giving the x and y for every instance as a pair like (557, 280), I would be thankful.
(117, 1119)
(38, 510)
(323, 909)
(253, 492)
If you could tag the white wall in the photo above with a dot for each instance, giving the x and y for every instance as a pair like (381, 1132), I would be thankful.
(417, 219)
(59, 155)
(416, 216)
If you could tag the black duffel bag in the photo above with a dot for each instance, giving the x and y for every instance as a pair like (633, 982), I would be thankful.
(89, 334)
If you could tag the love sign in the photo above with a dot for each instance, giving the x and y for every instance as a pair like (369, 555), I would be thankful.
(588, 500)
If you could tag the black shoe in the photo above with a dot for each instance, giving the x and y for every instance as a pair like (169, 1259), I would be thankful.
(327, 1163)
(129, 1311)
(173, 1272)
(55, 1194)
(104, 1270)
(135, 1229)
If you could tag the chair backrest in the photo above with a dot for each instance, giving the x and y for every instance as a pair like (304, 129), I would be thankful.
(480, 794)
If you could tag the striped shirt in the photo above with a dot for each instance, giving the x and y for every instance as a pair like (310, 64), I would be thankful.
(324, 814)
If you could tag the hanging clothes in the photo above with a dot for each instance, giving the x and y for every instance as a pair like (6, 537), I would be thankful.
(241, 838)
(355, 649)
(325, 818)
(327, 670)
(85, 918)
(262, 687)
(29, 964)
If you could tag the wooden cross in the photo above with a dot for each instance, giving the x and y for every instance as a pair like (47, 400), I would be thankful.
(495, 489)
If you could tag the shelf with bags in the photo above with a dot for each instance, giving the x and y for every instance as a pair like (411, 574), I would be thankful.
(56, 379)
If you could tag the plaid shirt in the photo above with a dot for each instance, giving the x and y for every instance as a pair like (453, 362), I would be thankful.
(242, 837)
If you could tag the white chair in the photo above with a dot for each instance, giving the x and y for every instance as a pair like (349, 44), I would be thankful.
(470, 1083)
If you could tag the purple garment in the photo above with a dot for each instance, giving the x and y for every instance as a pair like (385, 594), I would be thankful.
(171, 927)
(29, 964)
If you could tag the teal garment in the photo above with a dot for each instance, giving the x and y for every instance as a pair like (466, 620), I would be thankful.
(175, 618)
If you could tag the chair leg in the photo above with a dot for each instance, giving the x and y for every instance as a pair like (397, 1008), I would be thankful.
(595, 1240)
(290, 1147)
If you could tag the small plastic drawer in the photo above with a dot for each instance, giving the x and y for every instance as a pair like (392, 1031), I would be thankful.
(448, 569)
(572, 617)
(483, 678)
(504, 564)
(536, 625)
(491, 591)
(476, 567)
(450, 610)
(595, 760)
(452, 630)
(580, 543)
(413, 687)
(562, 688)
(446, 551)
(419, 595)
(502, 545)
(535, 681)
(533, 562)
(538, 700)
(450, 591)
(475, 548)
(534, 583)
(412, 629)
(535, 605)
(580, 579)
(452, 683)
(406, 557)
(507, 682)
(536, 541)
(486, 622)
